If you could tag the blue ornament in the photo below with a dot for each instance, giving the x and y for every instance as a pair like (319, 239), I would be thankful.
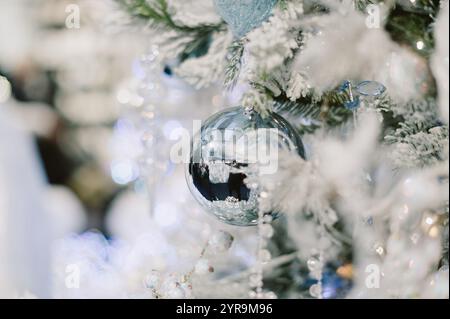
(244, 15)
(333, 285)
(345, 86)
(352, 104)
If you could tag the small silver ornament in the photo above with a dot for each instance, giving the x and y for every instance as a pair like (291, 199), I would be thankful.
(232, 145)
(242, 16)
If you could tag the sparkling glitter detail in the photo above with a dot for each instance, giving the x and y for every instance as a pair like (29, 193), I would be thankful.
(242, 16)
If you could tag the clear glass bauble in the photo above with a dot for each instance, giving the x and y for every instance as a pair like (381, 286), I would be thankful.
(232, 145)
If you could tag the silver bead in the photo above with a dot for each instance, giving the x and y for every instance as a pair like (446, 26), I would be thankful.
(314, 264)
(265, 255)
(316, 290)
(266, 230)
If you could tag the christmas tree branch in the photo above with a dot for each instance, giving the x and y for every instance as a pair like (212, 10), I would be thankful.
(233, 68)
(157, 12)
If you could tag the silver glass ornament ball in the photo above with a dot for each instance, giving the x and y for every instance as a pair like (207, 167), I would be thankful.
(232, 145)
(242, 16)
